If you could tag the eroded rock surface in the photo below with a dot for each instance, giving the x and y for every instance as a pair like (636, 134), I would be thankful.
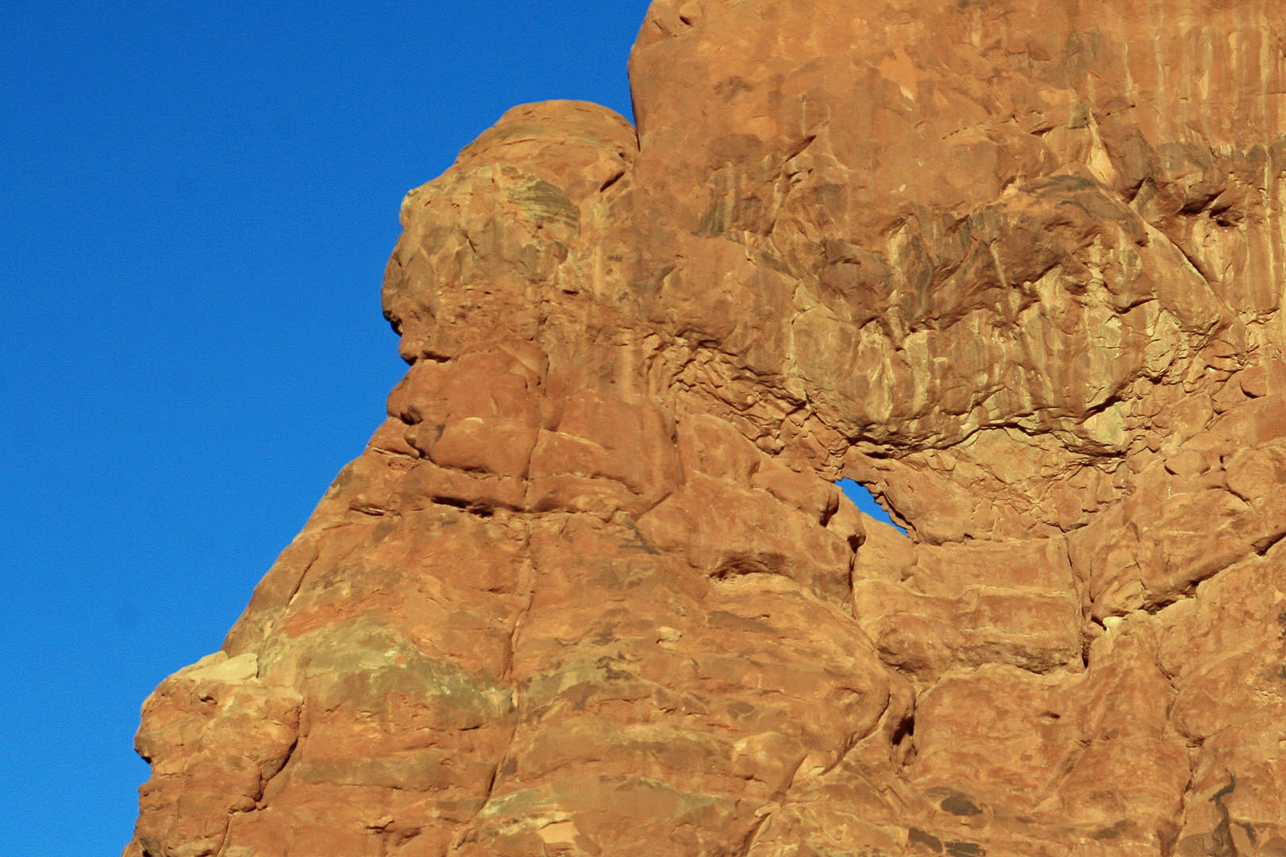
(1016, 265)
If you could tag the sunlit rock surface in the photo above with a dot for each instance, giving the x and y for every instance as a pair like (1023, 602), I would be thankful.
(591, 589)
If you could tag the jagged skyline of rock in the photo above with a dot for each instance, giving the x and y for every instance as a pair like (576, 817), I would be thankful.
(1017, 266)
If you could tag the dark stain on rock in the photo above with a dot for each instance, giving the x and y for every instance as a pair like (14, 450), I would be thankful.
(641, 542)
(965, 849)
(1112, 832)
(724, 619)
(345, 476)
(732, 87)
(739, 563)
(382, 531)
(1221, 841)
(959, 804)
(608, 665)
(1168, 837)
(916, 836)
(579, 696)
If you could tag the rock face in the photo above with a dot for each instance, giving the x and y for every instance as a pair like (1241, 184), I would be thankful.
(1016, 265)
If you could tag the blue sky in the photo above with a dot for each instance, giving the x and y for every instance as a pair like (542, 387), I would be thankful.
(199, 202)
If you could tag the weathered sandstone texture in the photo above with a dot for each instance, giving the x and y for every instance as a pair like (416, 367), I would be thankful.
(1016, 265)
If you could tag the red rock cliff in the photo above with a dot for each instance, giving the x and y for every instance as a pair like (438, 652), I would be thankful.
(1017, 265)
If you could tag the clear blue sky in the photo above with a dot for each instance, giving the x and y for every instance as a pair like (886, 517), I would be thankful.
(198, 202)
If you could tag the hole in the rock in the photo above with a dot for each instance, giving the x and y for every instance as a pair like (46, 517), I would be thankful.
(905, 729)
(867, 503)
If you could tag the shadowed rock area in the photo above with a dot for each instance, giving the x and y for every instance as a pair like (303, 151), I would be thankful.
(1015, 265)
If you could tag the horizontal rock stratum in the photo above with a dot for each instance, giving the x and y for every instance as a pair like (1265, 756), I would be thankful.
(1015, 265)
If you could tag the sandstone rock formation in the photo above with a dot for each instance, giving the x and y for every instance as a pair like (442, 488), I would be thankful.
(1016, 265)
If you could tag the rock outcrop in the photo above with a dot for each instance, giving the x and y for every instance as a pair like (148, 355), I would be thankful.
(1015, 265)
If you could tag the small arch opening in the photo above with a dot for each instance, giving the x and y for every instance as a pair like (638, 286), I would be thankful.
(866, 502)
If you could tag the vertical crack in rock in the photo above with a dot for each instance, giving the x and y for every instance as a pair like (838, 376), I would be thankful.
(1221, 839)
(592, 588)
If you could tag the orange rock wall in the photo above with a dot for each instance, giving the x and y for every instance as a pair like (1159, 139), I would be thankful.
(1016, 265)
